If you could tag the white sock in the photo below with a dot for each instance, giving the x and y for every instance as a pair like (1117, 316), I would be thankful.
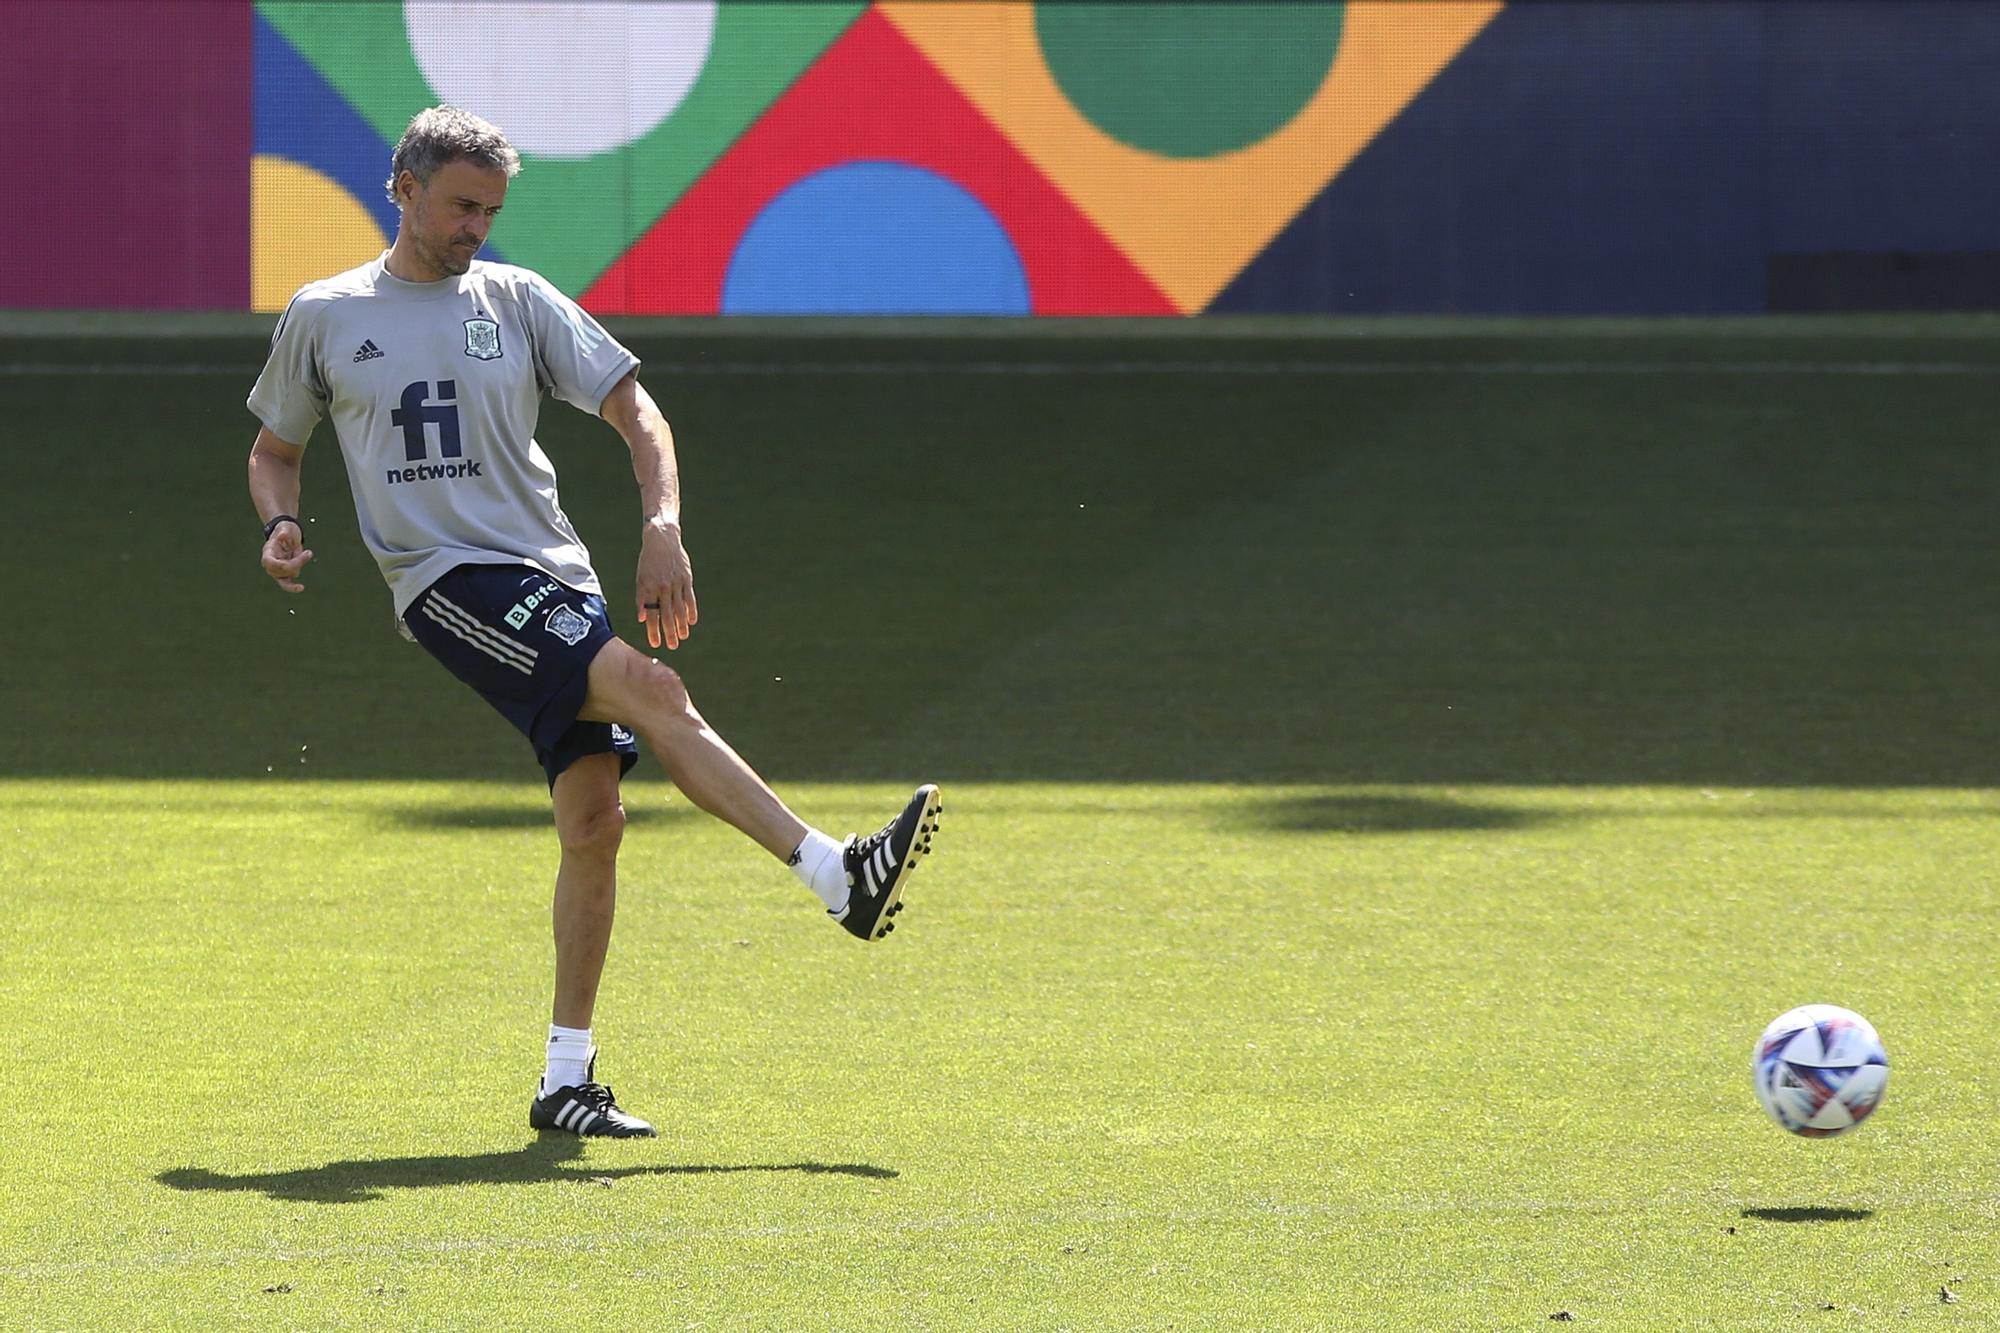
(570, 1054)
(818, 865)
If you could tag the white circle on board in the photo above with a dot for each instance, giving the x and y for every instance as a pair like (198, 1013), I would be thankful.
(563, 80)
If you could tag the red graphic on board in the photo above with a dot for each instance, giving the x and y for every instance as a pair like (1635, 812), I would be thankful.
(873, 97)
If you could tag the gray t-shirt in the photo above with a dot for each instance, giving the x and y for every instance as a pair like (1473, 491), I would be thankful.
(434, 389)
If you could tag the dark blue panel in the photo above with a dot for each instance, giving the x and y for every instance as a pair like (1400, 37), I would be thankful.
(1647, 157)
(1575, 158)
(1885, 126)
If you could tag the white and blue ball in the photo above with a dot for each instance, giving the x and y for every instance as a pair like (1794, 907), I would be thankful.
(1820, 1070)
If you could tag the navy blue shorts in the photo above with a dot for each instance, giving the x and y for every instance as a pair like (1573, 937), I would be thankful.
(525, 642)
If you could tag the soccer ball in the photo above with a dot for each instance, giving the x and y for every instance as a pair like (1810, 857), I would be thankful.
(1819, 1070)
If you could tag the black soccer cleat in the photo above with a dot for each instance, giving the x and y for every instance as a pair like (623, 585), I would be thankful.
(588, 1110)
(879, 865)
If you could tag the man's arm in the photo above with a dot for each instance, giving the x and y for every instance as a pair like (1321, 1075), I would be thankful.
(274, 488)
(665, 586)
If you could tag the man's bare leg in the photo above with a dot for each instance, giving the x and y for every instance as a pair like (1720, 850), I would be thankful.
(590, 821)
(628, 687)
(861, 880)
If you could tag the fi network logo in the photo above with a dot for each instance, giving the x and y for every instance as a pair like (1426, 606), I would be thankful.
(416, 418)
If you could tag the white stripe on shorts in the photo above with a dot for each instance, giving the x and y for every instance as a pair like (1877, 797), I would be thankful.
(483, 644)
(477, 625)
(501, 645)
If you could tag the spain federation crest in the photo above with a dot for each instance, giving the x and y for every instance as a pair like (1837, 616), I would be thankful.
(482, 339)
(567, 624)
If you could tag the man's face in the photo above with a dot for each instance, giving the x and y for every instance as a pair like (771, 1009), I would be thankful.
(447, 217)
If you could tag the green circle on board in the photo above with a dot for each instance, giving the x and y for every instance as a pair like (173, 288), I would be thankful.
(1189, 80)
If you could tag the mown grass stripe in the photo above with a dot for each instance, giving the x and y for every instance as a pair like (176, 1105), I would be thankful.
(1865, 369)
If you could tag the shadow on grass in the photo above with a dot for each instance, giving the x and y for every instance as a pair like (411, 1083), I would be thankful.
(1334, 812)
(519, 817)
(1810, 1214)
(541, 1162)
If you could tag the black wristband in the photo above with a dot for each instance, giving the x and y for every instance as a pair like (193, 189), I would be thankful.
(272, 526)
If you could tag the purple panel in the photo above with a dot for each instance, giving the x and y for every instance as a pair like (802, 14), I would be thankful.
(128, 150)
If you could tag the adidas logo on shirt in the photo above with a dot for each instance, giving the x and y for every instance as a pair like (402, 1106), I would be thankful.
(368, 351)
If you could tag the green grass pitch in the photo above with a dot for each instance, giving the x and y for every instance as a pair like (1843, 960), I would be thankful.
(1392, 773)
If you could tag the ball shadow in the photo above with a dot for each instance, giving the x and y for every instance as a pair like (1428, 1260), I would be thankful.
(1336, 812)
(1810, 1214)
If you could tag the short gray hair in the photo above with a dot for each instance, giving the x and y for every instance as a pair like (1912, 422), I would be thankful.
(442, 134)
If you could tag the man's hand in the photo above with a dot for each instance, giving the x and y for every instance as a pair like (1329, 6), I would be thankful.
(665, 586)
(285, 555)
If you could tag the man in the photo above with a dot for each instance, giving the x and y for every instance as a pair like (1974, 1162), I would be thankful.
(432, 366)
